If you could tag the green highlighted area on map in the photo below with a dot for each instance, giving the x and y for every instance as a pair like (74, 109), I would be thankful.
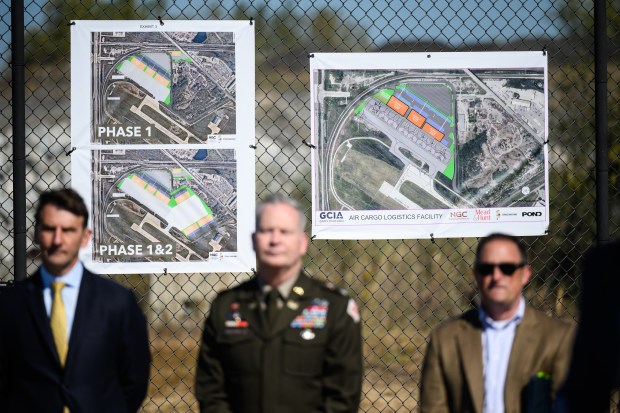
(384, 95)
(449, 171)
(182, 208)
(148, 74)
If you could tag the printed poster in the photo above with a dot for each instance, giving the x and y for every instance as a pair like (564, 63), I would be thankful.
(161, 144)
(429, 145)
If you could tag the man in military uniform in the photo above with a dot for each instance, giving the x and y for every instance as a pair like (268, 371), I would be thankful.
(280, 342)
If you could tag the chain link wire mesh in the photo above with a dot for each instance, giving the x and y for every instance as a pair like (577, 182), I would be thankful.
(404, 287)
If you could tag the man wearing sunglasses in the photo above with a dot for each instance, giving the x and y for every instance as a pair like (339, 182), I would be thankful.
(503, 356)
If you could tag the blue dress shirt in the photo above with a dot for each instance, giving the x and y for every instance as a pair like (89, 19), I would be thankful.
(497, 338)
(72, 279)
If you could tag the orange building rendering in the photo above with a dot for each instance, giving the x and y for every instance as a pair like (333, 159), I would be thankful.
(397, 105)
(433, 132)
(415, 118)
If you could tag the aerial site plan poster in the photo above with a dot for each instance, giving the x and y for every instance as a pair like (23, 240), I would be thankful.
(161, 144)
(429, 145)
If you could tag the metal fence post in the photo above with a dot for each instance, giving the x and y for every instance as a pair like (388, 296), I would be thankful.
(19, 139)
(602, 138)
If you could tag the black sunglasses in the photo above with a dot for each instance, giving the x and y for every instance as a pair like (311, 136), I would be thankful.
(484, 268)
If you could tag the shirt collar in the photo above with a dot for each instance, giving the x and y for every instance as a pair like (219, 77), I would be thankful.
(284, 289)
(72, 279)
(488, 322)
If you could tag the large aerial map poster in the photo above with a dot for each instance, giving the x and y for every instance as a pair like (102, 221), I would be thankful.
(160, 150)
(429, 145)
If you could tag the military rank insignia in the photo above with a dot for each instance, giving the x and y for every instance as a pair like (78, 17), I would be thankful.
(233, 318)
(313, 316)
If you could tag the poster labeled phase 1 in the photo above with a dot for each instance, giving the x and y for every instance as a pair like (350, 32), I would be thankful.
(160, 152)
(429, 145)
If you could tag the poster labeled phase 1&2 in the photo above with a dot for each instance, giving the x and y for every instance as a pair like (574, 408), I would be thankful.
(429, 145)
(160, 153)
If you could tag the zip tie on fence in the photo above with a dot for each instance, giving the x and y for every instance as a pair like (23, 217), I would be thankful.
(165, 271)
(71, 24)
(309, 145)
(546, 142)
(251, 21)
(544, 50)
(160, 20)
(71, 151)
(253, 270)
(252, 146)
(310, 55)
(313, 237)
(428, 56)
(432, 238)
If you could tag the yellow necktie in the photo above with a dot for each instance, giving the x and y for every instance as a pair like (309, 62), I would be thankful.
(58, 321)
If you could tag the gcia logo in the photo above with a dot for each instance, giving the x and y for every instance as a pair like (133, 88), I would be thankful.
(531, 214)
(330, 215)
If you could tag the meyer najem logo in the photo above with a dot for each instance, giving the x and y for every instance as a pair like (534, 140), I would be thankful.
(330, 215)
(501, 214)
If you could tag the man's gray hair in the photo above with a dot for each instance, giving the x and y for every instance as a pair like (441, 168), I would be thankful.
(279, 198)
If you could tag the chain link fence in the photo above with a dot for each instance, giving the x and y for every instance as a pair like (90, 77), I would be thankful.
(404, 287)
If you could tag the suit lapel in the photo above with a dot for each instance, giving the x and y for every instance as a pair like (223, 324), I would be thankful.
(521, 356)
(470, 348)
(85, 300)
(250, 307)
(36, 307)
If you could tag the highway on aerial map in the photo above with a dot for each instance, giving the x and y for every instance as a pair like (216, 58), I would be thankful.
(173, 200)
(158, 152)
(182, 88)
(163, 88)
(470, 134)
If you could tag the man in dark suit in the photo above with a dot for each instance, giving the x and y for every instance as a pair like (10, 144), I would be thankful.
(280, 342)
(504, 356)
(595, 364)
(70, 341)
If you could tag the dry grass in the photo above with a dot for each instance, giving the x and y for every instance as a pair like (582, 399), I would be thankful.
(173, 370)
(385, 388)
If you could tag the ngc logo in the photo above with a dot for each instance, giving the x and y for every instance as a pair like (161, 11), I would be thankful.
(458, 215)
(531, 214)
(330, 215)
